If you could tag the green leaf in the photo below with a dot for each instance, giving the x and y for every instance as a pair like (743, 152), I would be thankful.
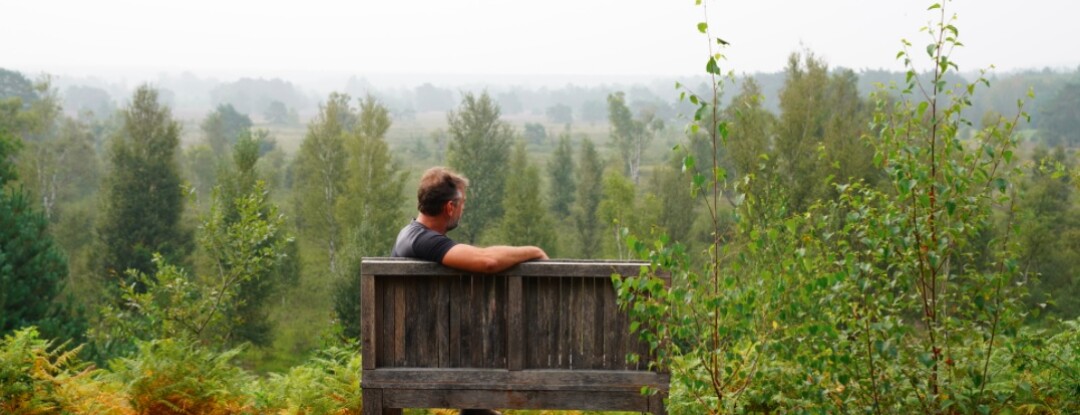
(722, 42)
(712, 67)
(934, 6)
(702, 27)
(688, 163)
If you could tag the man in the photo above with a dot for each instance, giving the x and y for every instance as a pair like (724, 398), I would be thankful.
(441, 201)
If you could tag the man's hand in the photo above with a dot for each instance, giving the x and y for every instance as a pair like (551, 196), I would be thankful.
(491, 259)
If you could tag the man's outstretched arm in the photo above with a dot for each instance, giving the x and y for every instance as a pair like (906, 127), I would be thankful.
(491, 259)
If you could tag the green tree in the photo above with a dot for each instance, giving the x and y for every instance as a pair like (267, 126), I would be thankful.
(371, 207)
(15, 85)
(535, 133)
(561, 169)
(526, 221)
(619, 213)
(276, 112)
(33, 269)
(143, 200)
(222, 127)
(207, 308)
(249, 312)
(849, 156)
(320, 177)
(1060, 123)
(560, 114)
(751, 129)
(590, 189)
(628, 135)
(801, 128)
(480, 149)
(1050, 235)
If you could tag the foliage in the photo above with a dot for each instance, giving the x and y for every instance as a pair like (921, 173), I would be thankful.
(563, 186)
(1059, 123)
(143, 198)
(320, 176)
(877, 301)
(246, 252)
(327, 384)
(628, 135)
(370, 209)
(250, 308)
(172, 376)
(585, 211)
(535, 133)
(222, 127)
(560, 114)
(38, 377)
(526, 221)
(33, 268)
(480, 149)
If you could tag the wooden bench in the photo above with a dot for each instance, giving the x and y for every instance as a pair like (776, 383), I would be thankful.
(541, 335)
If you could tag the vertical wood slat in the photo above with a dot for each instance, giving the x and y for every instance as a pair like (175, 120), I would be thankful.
(600, 286)
(368, 321)
(576, 324)
(455, 322)
(384, 351)
(531, 322)
(515, 324)
(558, 312)
(588, 320)
(399, 322)
(475, 338)
(442, 322)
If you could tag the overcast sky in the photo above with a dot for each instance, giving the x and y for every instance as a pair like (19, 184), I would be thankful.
(548, 37)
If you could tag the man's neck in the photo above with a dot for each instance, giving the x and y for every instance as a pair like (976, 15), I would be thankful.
(432, 222)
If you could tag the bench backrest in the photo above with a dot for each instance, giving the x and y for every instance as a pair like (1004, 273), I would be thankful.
(538, 315)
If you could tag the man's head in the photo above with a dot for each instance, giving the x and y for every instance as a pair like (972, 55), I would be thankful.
(442, 190)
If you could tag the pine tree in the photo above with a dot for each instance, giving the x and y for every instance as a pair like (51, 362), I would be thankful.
(143, 195)
(590, 190)
(33, 269)
(526, 221)
(480, 149)
(561, 168)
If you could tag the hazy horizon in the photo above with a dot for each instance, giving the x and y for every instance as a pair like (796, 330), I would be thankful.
(601, 41)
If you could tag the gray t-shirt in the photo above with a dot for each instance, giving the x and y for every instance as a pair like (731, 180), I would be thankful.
(417, 241)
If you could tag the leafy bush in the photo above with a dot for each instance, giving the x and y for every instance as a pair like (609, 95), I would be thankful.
(178, 377)
(36, 378)
(328, 384)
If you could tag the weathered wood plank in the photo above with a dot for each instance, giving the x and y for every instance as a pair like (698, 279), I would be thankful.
(442, 321)
(384, 351)
(515, 324)
(498, 379)
(368, 321)
(372, 401)
(556, 400)
(548, 268)
(456, 298)
(399, 323)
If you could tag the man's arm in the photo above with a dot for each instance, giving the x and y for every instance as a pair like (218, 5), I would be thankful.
(491, 259)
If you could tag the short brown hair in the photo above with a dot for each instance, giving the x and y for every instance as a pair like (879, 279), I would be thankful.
(438, 186)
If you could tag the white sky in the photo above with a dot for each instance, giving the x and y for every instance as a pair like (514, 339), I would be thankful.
(547, 37)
